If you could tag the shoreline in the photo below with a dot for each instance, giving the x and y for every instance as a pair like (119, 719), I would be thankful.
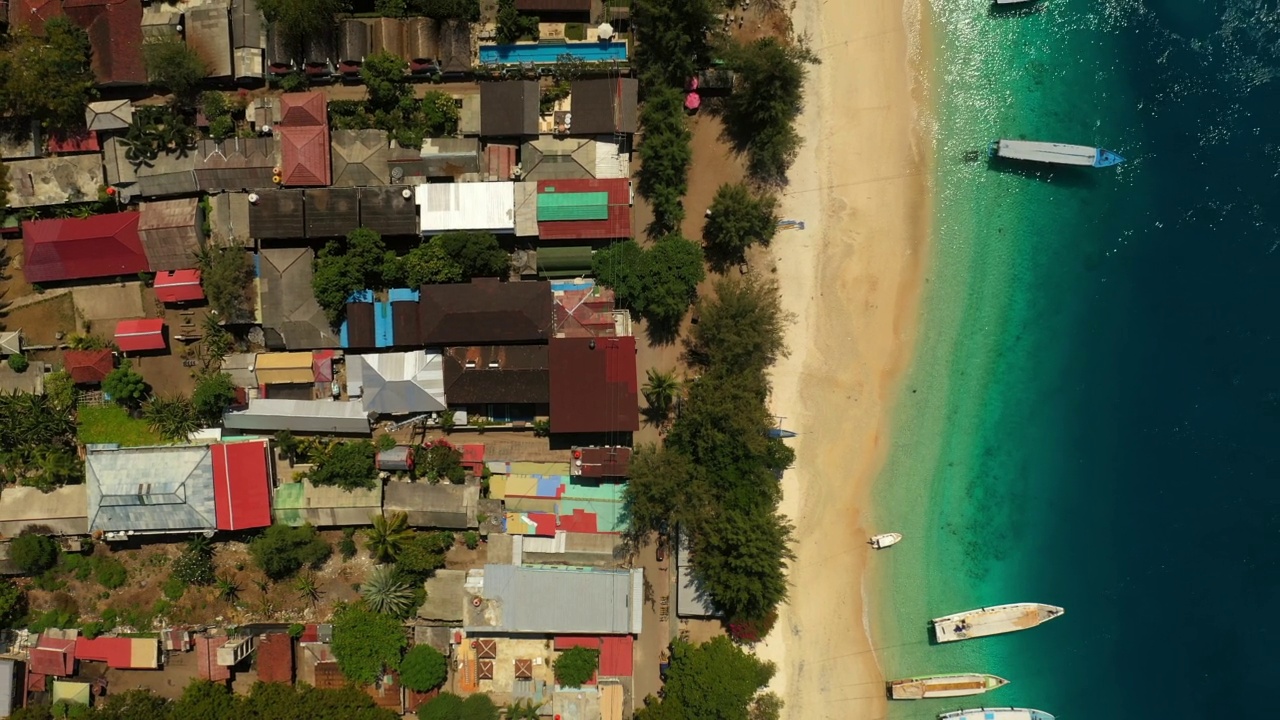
(854, 279)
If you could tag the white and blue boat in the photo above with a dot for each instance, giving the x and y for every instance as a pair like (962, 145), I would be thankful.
(1008, 713)
(1054, 153)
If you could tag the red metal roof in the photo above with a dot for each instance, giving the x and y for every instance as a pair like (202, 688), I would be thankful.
(83, 141)
(207, 658)
(601, 461)
(617, 225)
(322, 365)
(304, 153)
(139, 335)
(73, 249)
(115, 34)
(88, 366)
(593, 385)
(116, 652)
(275, 658)
(241, 485)
(175, 286)
(616, 656)
(302, 109)
(53, 656)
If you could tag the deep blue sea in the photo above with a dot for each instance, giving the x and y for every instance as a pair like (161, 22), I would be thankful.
(1094, 412)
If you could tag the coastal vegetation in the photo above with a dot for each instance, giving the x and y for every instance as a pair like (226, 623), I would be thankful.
(665, 155)
(740, 217)
(760, 114)
(716, 679)
(658, 282)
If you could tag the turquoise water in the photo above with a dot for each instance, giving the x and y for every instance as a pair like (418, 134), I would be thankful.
(550, 52)
(1094, 407)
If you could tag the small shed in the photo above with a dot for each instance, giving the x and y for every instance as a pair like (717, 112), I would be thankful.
(398, 458)
(178, 286)
(143, 335)
(88, 367)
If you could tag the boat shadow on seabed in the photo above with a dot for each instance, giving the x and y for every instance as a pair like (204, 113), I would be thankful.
(1002, 11)
(1064, 175)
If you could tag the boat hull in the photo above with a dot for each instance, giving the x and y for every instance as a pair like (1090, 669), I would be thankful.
(880, 542)
(1054, 153)
(996, 714)
(943, 686)
(994, 620)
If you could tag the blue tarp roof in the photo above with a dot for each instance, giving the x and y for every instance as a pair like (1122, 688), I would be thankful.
(382, 331)
(403, 295)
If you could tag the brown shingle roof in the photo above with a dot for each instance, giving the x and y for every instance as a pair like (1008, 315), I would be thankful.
(168, 231)
(275, 658)
(604, 106)
(303, 109)
(486, 312)
(115, 34)
(278, 215)
(509, 108)
(522, 375)
(88, 366)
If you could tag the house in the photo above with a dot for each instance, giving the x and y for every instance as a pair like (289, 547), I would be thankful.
(304, 140)
(146, 335)
(170, 173)
(78, 249)
(78, 141)
(300, 416)
(115, 39)
(56, 180)
(88, 367)
(121, 653)
(601, 461)
(406, 326)
(509, 108)
(519, 600)
(11, 343)
(331, 212)
(69, 693)
(277, 215)
(584, 209)
(452, 507)
(291, 317)
(236, 163)
(605, 106)
(178, 286)
(9, 684)
(586, 309)
(616, 652)
(32, 14)
(298, 503)
(485, 311)
(563, 262)
(285, 369)
(500, 162)
(396, 459)
(398, 383)
(242, 484)
(249, 40)
(497, 374)
(275, 658)
(209, 36)
(388, 210)
(553, 158)
(466, 206)
(367, 324)
(53, 656)
(62, 510)
(360, 156)
(170, 233)
(593, 385)
(149, 490)
(108, 115)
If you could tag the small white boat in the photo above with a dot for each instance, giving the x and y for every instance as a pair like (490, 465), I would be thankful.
(880, 542)
(1013, 2)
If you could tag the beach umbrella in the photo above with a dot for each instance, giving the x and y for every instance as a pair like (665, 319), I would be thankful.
(605, 31)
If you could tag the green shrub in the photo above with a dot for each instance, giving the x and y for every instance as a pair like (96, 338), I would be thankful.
(282, 551)
(33, 553)
(18, 363)
(296, 630)
(576, 666)
(472, 539)
(174, 588)
(109, 572)
(575, 31)
(423, 668)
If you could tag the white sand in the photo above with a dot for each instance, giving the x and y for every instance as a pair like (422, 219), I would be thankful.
(853, 278)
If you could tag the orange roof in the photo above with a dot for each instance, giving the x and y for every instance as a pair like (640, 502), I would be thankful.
(304, 153)
(88, 366)
(275, 658)
(300, 109)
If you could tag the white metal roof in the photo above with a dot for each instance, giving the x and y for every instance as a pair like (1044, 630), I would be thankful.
(314, 416)
(466, 206)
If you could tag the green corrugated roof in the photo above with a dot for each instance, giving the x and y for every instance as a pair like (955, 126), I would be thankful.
(554, 206)
(575, 258)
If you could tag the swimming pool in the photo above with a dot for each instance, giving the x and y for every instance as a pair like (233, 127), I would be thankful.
(548, 53)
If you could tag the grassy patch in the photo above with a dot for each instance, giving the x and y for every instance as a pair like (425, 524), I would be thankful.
(112, 424)
(575, 31)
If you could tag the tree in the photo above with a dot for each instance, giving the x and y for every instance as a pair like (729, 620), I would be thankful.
(383, 77)
(18, 363)
(345, 265)
(13, 603)
(739, 219)
(740, 327)
(429, 264)
(125, 386)
(132, 705)
(388, 536)
(281, 550)
(512, 25)
(737, 562)
(348, 465)
(33, 553)
(665, 154)
(664, 491)
(60, 389)
(759, 116)
(423, 668)
(449, 9)
(227, 275)
(440, 114)
(440, 460)
(659, 283)
(172, 64)
(172, 418)
(213, 394)
(479, 706)
(47, 78)
(576, 666)
(287, 445)
(366, 643)
(298, 20)
(716, 680)
(478, 253)
(447, 706)
(671, 39)
(205, 700)
(660, 390)
(385, 591)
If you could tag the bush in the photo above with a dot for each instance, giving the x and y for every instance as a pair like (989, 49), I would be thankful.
(213, 394)
(440, 460)
(109, 572)
(576, 666)
(174, 588)
(282, 551)
(423, 668)
(125, 386)
(348, 465)
(366, 643)
(18, 363)
(471, 539)
(386, 442)
(296, 630)
(194, 568)
(33, 553)
(13, 602)
(447, 706)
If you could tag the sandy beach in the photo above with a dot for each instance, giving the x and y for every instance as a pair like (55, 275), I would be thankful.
(853, 278)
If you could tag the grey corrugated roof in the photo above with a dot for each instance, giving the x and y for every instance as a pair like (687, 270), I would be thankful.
(438, 506)
(559, 600)
(290, 314)
(150, 490)
(400, 383)
(62, 510)
(305, 416)
(6, 687)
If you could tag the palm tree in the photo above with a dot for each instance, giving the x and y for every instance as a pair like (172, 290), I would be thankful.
(386, 592)
(227, 588)
(172, 418)
(307, 588)
(660, 391)
(388, 536)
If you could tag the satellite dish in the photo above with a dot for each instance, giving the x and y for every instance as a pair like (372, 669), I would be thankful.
(253, 198)
(397, 173)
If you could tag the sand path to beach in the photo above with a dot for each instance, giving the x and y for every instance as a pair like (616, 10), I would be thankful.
(853, 279)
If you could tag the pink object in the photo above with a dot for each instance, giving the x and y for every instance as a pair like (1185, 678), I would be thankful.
(692, 101)
(138, 335)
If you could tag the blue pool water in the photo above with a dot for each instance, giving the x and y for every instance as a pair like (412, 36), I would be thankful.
(546, 54)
